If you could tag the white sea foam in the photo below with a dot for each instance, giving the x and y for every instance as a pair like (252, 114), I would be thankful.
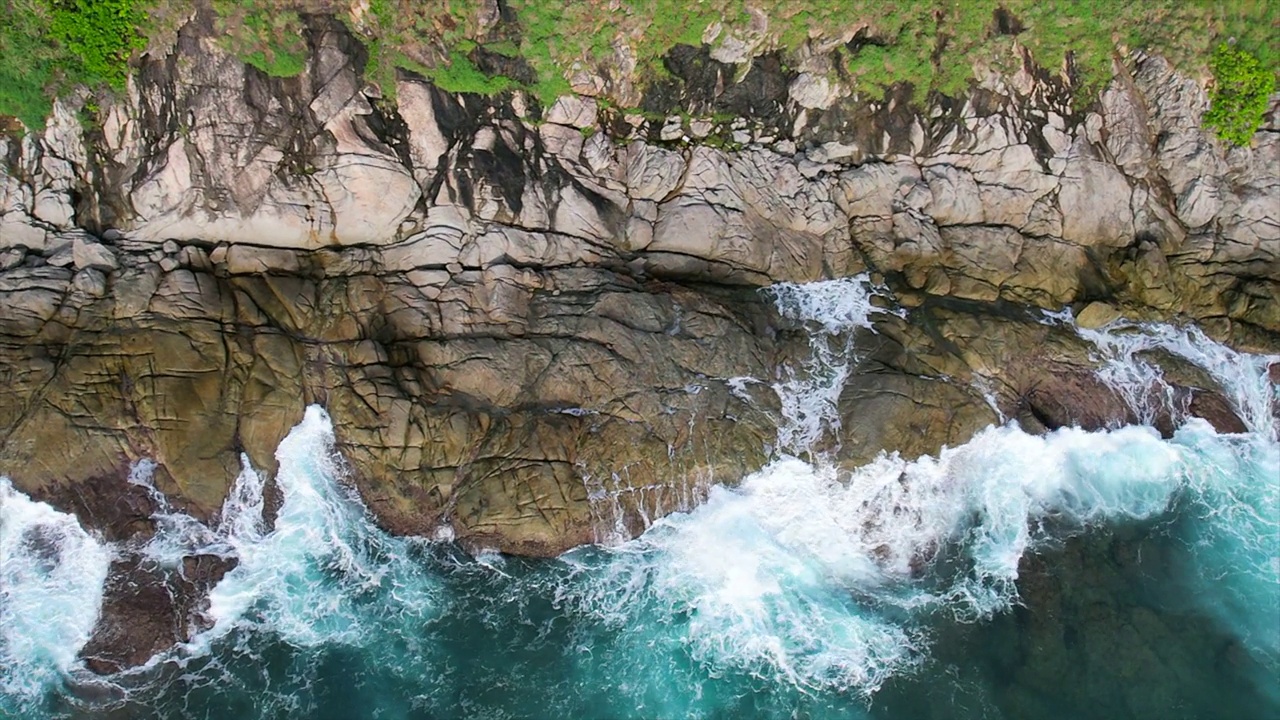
(805, 574)
(309, 579)
(51, 581)
(178, 534)
(831, 310)
(814, 576)
(1243, 376)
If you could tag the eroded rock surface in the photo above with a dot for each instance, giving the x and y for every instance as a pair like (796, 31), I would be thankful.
(523, 320)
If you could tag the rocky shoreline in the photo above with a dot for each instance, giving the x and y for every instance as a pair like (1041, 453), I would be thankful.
(522, 320)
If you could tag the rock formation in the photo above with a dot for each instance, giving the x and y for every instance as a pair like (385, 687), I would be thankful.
(522, 319)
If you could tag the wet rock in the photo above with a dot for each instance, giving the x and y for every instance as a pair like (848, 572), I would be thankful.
(1096, 315)
(146, 609)
(110, 504)
(1217, 410)
(500, 314)
(1077, 399)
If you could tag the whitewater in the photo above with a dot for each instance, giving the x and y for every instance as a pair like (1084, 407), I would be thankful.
(806, 589)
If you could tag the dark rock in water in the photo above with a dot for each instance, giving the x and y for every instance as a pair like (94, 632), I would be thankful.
(272, 500)
(147, 609)
(1076, 399)
(1217, 410)
(1080, 399)
(1096, 633)
(108, 503)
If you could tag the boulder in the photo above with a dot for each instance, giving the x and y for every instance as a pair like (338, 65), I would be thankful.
(87, 254)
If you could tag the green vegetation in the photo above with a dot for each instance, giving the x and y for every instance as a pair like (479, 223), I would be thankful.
(1241, 88)
(934, 45)
(103, 34)
(459, 74)
(28, 63)
(268, 38)
(432, 39)
(47, 45)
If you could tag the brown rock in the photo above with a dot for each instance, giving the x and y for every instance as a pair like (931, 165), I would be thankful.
(146, 609)
(1076, 399)
(1217, 410)
(543, 359)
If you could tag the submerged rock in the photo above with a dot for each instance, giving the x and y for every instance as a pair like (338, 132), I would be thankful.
(146, 609)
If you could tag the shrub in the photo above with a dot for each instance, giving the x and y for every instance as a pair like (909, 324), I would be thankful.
(1241, 89)
(101, 33)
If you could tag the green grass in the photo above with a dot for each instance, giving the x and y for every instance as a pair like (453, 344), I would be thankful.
(1242, 86)
(461, 75)
(102, 34)
(29, 61)
(263, 36)
(49, 45)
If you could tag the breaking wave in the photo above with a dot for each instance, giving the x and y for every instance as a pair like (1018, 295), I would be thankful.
(804, 589)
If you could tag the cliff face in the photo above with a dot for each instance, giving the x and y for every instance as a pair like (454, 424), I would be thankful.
(522, 319)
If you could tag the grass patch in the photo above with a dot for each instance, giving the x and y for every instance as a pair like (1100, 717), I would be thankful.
(29, 62)
(265, 37)
(1241, 89)
(48, 46)
(461, 75)
(102, 34)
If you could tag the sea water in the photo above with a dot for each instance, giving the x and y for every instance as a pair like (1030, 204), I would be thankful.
(1108, 574)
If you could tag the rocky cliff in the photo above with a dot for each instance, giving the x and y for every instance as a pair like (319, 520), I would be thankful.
(523, 319)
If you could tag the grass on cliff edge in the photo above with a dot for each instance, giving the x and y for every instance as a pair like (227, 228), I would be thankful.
(932, 44)
(48, 45)
(269, 39)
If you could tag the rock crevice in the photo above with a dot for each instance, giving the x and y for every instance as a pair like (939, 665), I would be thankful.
(525, 320)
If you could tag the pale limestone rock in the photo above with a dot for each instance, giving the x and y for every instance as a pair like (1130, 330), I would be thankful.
(1094, 199)
(17, 231)
(11, 258)
(428, 145)
(574, 111)
(53, 208)
(89, 254)
(91, 282)
(246, 260)
(652, 172)
(955, 198)
(700, 128)
(814, 92)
